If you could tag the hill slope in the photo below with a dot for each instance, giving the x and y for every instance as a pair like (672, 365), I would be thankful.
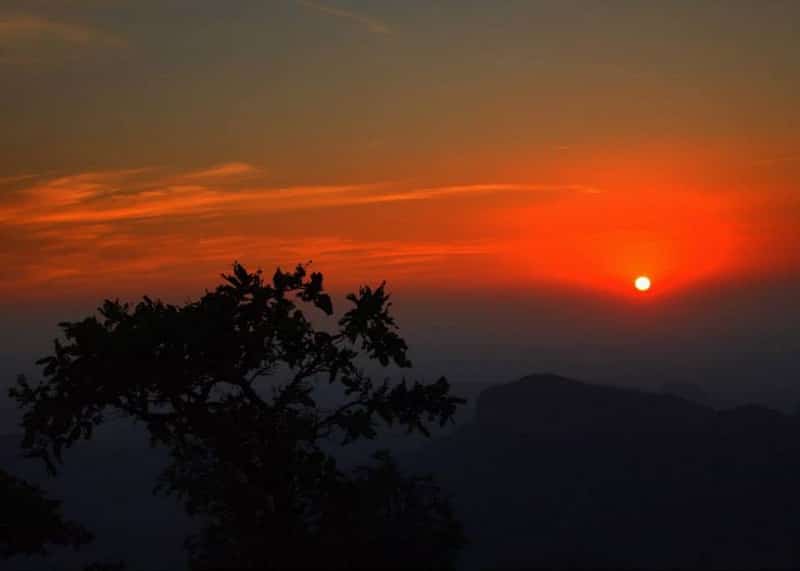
(557, 473)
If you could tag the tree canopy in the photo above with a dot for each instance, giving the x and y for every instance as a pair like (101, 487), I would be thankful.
(227, 383)
(29, 521)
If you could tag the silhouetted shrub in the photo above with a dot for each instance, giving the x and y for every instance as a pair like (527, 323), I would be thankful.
(29, 521)
(227, 383)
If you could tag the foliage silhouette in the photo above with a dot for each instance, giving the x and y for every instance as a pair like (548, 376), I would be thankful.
(29, 521)
(227, 384)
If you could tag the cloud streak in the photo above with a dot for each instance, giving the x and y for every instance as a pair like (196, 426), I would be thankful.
(25, 26)
(224, 170)
(68, 230)
(371, 24)
(26, 38)
(779, 160)
(113, 196)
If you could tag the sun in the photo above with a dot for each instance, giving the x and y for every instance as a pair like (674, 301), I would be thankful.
(642, 283)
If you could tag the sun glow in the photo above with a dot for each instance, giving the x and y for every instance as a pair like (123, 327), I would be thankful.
(642, 283)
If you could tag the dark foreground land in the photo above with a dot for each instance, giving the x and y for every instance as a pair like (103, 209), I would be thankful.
(558, 473)
(548, 473)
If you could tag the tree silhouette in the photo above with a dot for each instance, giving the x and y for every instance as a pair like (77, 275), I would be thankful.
(29, 521)
(227, 384)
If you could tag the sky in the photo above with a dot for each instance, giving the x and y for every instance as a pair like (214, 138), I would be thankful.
(508, 167)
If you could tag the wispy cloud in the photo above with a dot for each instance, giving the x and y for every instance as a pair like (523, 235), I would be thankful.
(224, 170)
(778, 160)
(76, 257)
(68, 230)
(100, 197)
(26, 38)
(372, 24)
(25, 26)
(6, 180)
(445, 191)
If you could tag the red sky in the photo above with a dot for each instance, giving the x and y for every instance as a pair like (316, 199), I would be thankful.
(525, 145)
(592, 220)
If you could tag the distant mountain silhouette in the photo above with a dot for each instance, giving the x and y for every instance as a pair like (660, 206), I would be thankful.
(551, 405)
(557, 473)
(689, 391)
(549, 473)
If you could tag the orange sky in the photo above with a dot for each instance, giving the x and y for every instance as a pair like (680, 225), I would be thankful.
(592, 222)
(519, 145)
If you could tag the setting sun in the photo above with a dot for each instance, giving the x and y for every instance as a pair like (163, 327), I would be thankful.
(642, 283)
(480, 184)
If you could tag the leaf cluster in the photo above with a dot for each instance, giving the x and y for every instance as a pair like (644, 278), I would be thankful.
(29, 521)
(228, 384)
